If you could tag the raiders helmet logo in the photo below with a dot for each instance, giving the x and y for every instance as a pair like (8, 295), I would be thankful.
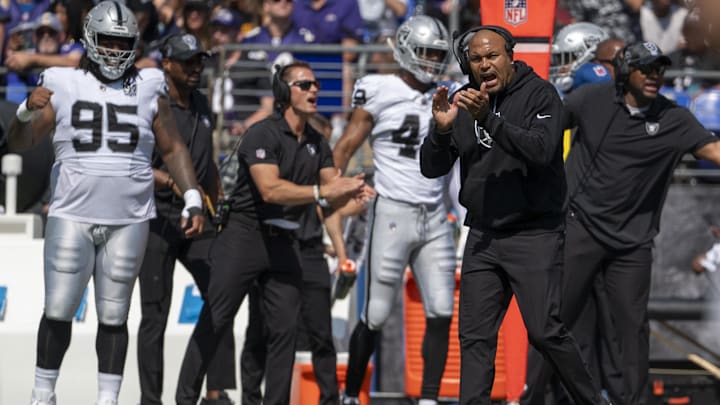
(482, 136)
(652, 128)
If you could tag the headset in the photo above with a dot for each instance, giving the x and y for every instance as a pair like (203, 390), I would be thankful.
(622, 68)
(460, 44)
(280, 89)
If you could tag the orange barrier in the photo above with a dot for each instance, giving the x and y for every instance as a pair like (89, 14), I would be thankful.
(510, 360)
(304, 387)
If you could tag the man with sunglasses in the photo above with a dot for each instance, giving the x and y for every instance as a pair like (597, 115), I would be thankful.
(285, 167)
(182, 63)
(620, 166)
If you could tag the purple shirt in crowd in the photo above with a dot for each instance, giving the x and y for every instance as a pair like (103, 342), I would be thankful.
(333, 22)
(261, 35)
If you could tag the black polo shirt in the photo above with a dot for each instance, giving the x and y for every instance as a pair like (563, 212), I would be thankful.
(271, 141)
(620, 165)
(195, 126)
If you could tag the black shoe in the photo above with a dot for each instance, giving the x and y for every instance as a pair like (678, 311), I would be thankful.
(224, 399)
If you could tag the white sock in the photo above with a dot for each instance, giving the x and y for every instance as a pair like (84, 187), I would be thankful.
(427, 402)
(109, 386)
(45, 379)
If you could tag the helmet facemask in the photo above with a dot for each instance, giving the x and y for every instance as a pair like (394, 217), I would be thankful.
(111, 22)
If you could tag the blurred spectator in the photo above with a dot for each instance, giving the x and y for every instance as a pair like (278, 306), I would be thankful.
(382, 16)
(332, 22)
(661, 21)
(250, 13)
(196, 19)
(278, 30)
(71, 14)
(695, 56)
(709, 12)
(224, 29)
(147, 51)
(243, 96)
(620, 18)
(16, 12)
(17, 84)
(50, 47)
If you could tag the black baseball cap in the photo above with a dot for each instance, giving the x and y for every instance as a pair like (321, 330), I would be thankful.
(645, 53)
(182, 47)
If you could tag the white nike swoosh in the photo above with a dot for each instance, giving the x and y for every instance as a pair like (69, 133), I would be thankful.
(542, 117)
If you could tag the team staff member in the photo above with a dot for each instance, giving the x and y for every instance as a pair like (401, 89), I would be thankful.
(183, 64)
(282, 170)
(315, 317)
(628, 142)
(104, 119)
(506, 128)
(315, 327)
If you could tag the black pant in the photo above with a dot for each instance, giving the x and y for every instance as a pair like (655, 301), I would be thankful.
(315, 328)
(530, 266)
(166, 244)
(627, 284)
(242, 254)
(594, 331)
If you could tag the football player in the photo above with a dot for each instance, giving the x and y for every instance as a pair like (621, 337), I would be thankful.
(105, 118)
(408, 221)
(574, 45)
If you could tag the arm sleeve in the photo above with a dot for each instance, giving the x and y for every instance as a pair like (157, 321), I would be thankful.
(538, 143)
(437, 155)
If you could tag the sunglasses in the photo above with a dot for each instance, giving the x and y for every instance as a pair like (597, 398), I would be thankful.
(280, 1)
(649, 69)
(306, 84)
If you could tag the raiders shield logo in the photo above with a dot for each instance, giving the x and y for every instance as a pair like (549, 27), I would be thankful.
(652, 128)
(311, 149)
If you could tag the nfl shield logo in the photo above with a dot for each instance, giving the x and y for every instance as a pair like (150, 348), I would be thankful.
(516, 12)
(260, 153)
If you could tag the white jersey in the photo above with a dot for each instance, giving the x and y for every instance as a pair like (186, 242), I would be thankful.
(402, 119)
(103, 143)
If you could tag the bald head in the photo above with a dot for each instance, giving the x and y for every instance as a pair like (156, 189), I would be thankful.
(607, 49)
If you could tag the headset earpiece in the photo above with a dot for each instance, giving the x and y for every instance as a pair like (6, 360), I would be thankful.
(460, 44)
(280, 89)
(622, 69)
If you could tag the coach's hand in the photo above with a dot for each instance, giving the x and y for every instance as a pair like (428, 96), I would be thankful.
(476, 102)
(444, 113)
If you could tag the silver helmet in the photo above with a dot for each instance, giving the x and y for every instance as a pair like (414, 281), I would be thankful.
(574, 45)
(414, 40)
(110, 19)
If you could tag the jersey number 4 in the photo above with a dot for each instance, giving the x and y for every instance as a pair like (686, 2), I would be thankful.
(407, 136)
(95, 124)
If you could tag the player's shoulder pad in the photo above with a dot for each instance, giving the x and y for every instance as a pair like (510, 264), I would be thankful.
(367, 87)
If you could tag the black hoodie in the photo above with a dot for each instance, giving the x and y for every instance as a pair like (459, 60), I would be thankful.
(518, 183)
